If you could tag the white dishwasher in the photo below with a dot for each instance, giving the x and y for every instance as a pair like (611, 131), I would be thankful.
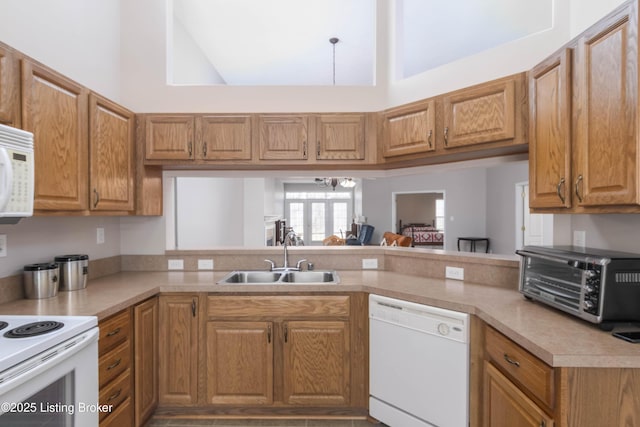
(418, 364)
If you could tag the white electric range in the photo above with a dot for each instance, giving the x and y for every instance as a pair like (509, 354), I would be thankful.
(49, 370)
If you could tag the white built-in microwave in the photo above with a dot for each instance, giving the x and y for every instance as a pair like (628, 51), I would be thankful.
(16, 174)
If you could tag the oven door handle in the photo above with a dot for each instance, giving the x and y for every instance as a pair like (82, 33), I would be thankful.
(36, 365)
(579, 264)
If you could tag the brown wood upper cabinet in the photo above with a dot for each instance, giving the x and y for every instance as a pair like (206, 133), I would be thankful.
(223, 137)
(283, 137)
(550, 132)
(111, 155)
(55, 109)
(605, 163)
(485, 113)
(340, 136)
(409, 129)
(9, 87)
(169, 137)
(598, 170)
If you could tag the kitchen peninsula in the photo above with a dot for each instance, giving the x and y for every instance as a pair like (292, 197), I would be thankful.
(575, 353)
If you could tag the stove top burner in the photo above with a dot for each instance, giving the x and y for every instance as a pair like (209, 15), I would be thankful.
(3, 325)
(33, 329)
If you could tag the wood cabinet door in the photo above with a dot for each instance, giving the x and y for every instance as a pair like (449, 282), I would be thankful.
(409, 130)
(316, 367)
(224, 137)
(178, 350)
(340, 137)
(145, 320)
(169, 137)
(605, 171)
(240, 363)
(283, 137)
(9, 87)
(111, 156)
(506, 406)
(550, 132)
(480, 114)
(54, 108)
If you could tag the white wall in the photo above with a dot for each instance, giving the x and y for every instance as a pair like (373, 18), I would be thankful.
(79, 38)
(585, 13)
(464, 195)
(501, 204)
(40, 239)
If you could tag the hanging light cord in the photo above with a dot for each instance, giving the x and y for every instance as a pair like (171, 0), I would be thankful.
(333, 41)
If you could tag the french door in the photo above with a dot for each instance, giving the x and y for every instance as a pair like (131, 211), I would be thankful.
(316, 219)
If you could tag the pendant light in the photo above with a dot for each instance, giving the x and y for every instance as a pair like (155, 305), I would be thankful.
(333, 41)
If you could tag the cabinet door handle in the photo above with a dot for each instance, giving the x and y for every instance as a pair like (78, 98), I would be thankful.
(114, 332)
(193, 307)
(114, 364)
(559, 188)
(429, 138)
(190, 147)
(446, 136)
(204, 150)
(97, 198)
(318, 146)
(114, 395)
(304, 149)
(269, 334)
(511, 361)
(286, 333)
(578, 181)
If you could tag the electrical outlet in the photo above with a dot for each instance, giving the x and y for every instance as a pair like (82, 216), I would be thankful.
(579, 239)
(175, 264)
(369, 263)
(100, 235)
(205, 264)
(454, 273)
(3, 245)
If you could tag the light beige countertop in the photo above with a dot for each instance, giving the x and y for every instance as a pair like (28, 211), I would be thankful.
(558, 339)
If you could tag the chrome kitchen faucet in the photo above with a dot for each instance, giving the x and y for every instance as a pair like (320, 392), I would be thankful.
(289, 238)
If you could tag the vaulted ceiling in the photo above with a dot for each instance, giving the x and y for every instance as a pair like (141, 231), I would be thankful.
(286, 42)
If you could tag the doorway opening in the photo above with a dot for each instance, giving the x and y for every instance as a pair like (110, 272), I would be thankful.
(531, 229)
(420, 215)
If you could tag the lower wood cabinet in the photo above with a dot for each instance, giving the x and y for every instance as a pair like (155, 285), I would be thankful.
(115, 369)
(316, 363)
(522, 390)
(280, 350)
(507, 406)
(240, 363)
(178, 349)
(145, 321)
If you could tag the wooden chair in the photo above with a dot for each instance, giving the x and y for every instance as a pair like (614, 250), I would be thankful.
(393, 239)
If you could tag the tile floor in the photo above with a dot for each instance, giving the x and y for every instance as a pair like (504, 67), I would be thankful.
(179, 422)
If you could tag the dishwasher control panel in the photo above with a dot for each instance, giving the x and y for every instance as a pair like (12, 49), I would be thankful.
(448, 324)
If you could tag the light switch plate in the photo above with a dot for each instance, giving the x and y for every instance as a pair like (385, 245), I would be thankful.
(175, 264)
(100, 235)
(370, 263)
(205, 264)
(456, 273)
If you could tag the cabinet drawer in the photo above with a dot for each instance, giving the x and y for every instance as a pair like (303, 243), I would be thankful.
(114, 330)
(252, 306)
(115, 392)
(523, 367)
(114, 362)
(119, 417)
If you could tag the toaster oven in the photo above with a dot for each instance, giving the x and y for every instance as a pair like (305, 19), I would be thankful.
(596, 285)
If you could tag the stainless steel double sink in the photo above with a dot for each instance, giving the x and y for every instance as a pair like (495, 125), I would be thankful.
(327, 277)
